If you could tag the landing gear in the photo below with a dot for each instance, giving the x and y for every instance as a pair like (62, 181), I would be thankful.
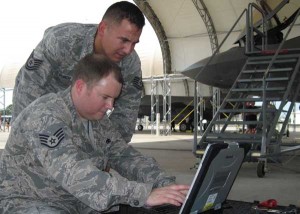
(140, 127)
(183, 127)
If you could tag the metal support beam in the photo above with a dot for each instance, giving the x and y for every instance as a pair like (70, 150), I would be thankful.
(216, 104)
(154, 103)
(160, 32)
(204, 13)
(3, 104)
(201, 7)
(167, 106)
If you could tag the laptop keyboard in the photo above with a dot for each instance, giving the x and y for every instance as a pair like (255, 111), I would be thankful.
(163, 209)
(230, 207)
(166, 209)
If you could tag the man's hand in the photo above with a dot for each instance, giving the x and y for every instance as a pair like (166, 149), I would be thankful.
(173, 194)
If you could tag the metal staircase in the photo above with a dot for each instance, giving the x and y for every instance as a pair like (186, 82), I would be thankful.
(253, 84)
(267, 77)
(263, 83)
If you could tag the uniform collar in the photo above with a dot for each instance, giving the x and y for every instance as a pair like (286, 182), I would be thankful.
(88, 42)
(66, 96)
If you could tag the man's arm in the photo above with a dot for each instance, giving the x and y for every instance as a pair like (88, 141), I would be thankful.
(133, 165)
(30, 82)
(126, 160)
(49, 67)
(35, 76)
(75, 171)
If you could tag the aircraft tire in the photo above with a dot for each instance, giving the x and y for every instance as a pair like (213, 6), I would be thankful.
(183, 127)
(140, 127)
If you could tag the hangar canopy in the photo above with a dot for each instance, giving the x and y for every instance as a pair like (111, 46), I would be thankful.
(187, 30)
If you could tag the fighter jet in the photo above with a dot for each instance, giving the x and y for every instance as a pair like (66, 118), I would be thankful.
(224, 68)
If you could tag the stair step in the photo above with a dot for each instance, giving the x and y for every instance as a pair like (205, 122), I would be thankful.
(259, 99)
(239, 137)
(272, 70)
(270, 57)
(255, 62)
(246, 110)
(211, 140)
(237, 122)
(235, 135)
(261, 79)
(256, 110)
(258, 89)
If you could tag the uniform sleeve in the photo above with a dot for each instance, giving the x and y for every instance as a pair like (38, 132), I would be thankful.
(34, 76)
(30, 82)
(45, 71)
(135, 166)
(127, 105)
(70, 167)
(129, 162)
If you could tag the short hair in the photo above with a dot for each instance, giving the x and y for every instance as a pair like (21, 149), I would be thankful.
(125, 10)
(94, 67)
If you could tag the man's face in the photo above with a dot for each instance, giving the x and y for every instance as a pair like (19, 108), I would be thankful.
(118, 39)
(94, 101)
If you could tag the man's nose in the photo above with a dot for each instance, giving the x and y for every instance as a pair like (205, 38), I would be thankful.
(128, 48)
(110, 104)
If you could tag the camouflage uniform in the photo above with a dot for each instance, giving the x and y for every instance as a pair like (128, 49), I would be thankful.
(50, 69)
(50, 162)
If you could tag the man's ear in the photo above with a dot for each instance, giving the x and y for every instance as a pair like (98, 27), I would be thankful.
(101, 28)
(79, 85)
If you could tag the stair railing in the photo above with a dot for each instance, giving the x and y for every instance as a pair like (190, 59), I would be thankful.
(250, 29)
(267, 136)
(195, 88)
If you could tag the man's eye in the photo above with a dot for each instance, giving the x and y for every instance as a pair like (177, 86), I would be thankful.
(125, 40)
(104, 97)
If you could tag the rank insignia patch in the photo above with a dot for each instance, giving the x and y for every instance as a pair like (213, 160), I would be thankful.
(32, 63)
(138, 83)
(54, 140)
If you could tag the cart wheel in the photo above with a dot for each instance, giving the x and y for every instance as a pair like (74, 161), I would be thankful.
(261, 169)
(140, 127)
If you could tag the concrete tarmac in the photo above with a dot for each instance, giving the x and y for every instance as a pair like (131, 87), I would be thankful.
(174, 154)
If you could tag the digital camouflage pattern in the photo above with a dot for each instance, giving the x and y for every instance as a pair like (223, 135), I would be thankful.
(51, 163)
(50, 69)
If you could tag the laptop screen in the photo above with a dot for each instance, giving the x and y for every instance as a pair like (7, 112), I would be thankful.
(215, 176)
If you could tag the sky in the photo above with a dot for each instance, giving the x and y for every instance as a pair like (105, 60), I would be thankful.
(23, 23)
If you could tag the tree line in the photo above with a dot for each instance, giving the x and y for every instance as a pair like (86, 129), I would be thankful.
(6, 111)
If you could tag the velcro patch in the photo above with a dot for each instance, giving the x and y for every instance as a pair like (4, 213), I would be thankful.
(138, 83)
(54, 140)
(32, 63)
